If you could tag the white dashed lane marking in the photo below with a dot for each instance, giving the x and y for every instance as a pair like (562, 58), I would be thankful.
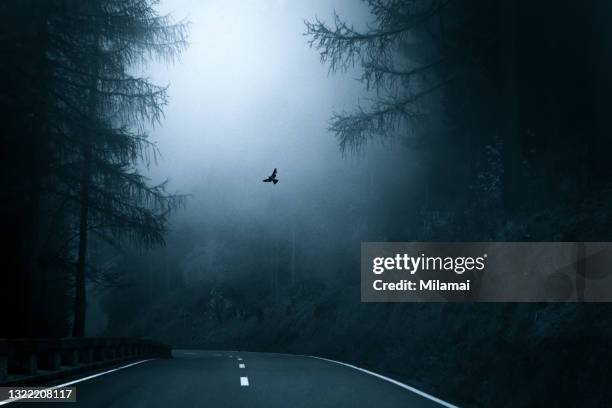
(244, 381)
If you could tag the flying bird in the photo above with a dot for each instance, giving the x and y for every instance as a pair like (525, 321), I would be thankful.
(272, 178)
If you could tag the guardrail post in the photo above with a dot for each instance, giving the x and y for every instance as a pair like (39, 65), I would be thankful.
(86, 355)
(52, 360)
(3, 368)
(29, 363)
(3, 361)
(99, 354)
(47, 352)
(70, 351)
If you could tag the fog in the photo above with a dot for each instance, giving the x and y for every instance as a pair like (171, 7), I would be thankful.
(249, 95)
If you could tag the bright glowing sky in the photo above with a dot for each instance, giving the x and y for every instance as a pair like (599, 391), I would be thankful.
(249, 95)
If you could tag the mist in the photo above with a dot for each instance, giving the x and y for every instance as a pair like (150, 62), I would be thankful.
(249, 95)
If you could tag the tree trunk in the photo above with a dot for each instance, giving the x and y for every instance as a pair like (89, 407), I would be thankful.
(80, 299)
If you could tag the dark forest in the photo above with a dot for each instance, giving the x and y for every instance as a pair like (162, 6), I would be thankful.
(412, 120)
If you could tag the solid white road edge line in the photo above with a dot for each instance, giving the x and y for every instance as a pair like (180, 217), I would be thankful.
(82, 379)
(399, 384)
(241, 365)
(244, 381)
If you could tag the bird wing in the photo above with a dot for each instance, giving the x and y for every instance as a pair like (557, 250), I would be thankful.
(273, 173)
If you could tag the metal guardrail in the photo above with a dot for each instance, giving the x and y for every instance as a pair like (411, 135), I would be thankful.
(26, 361)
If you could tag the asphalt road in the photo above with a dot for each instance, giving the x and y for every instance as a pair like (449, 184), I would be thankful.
(226, 379)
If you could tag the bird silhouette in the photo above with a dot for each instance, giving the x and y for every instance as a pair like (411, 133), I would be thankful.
(272, 178)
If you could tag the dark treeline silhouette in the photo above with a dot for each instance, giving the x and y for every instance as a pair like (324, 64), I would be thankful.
(508, 99)
(73, 133)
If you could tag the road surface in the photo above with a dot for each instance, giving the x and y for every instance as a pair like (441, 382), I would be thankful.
(226, 379)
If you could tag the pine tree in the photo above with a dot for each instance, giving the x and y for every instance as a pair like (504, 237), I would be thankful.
(400, 85)
(114, 200)
(76, 127)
